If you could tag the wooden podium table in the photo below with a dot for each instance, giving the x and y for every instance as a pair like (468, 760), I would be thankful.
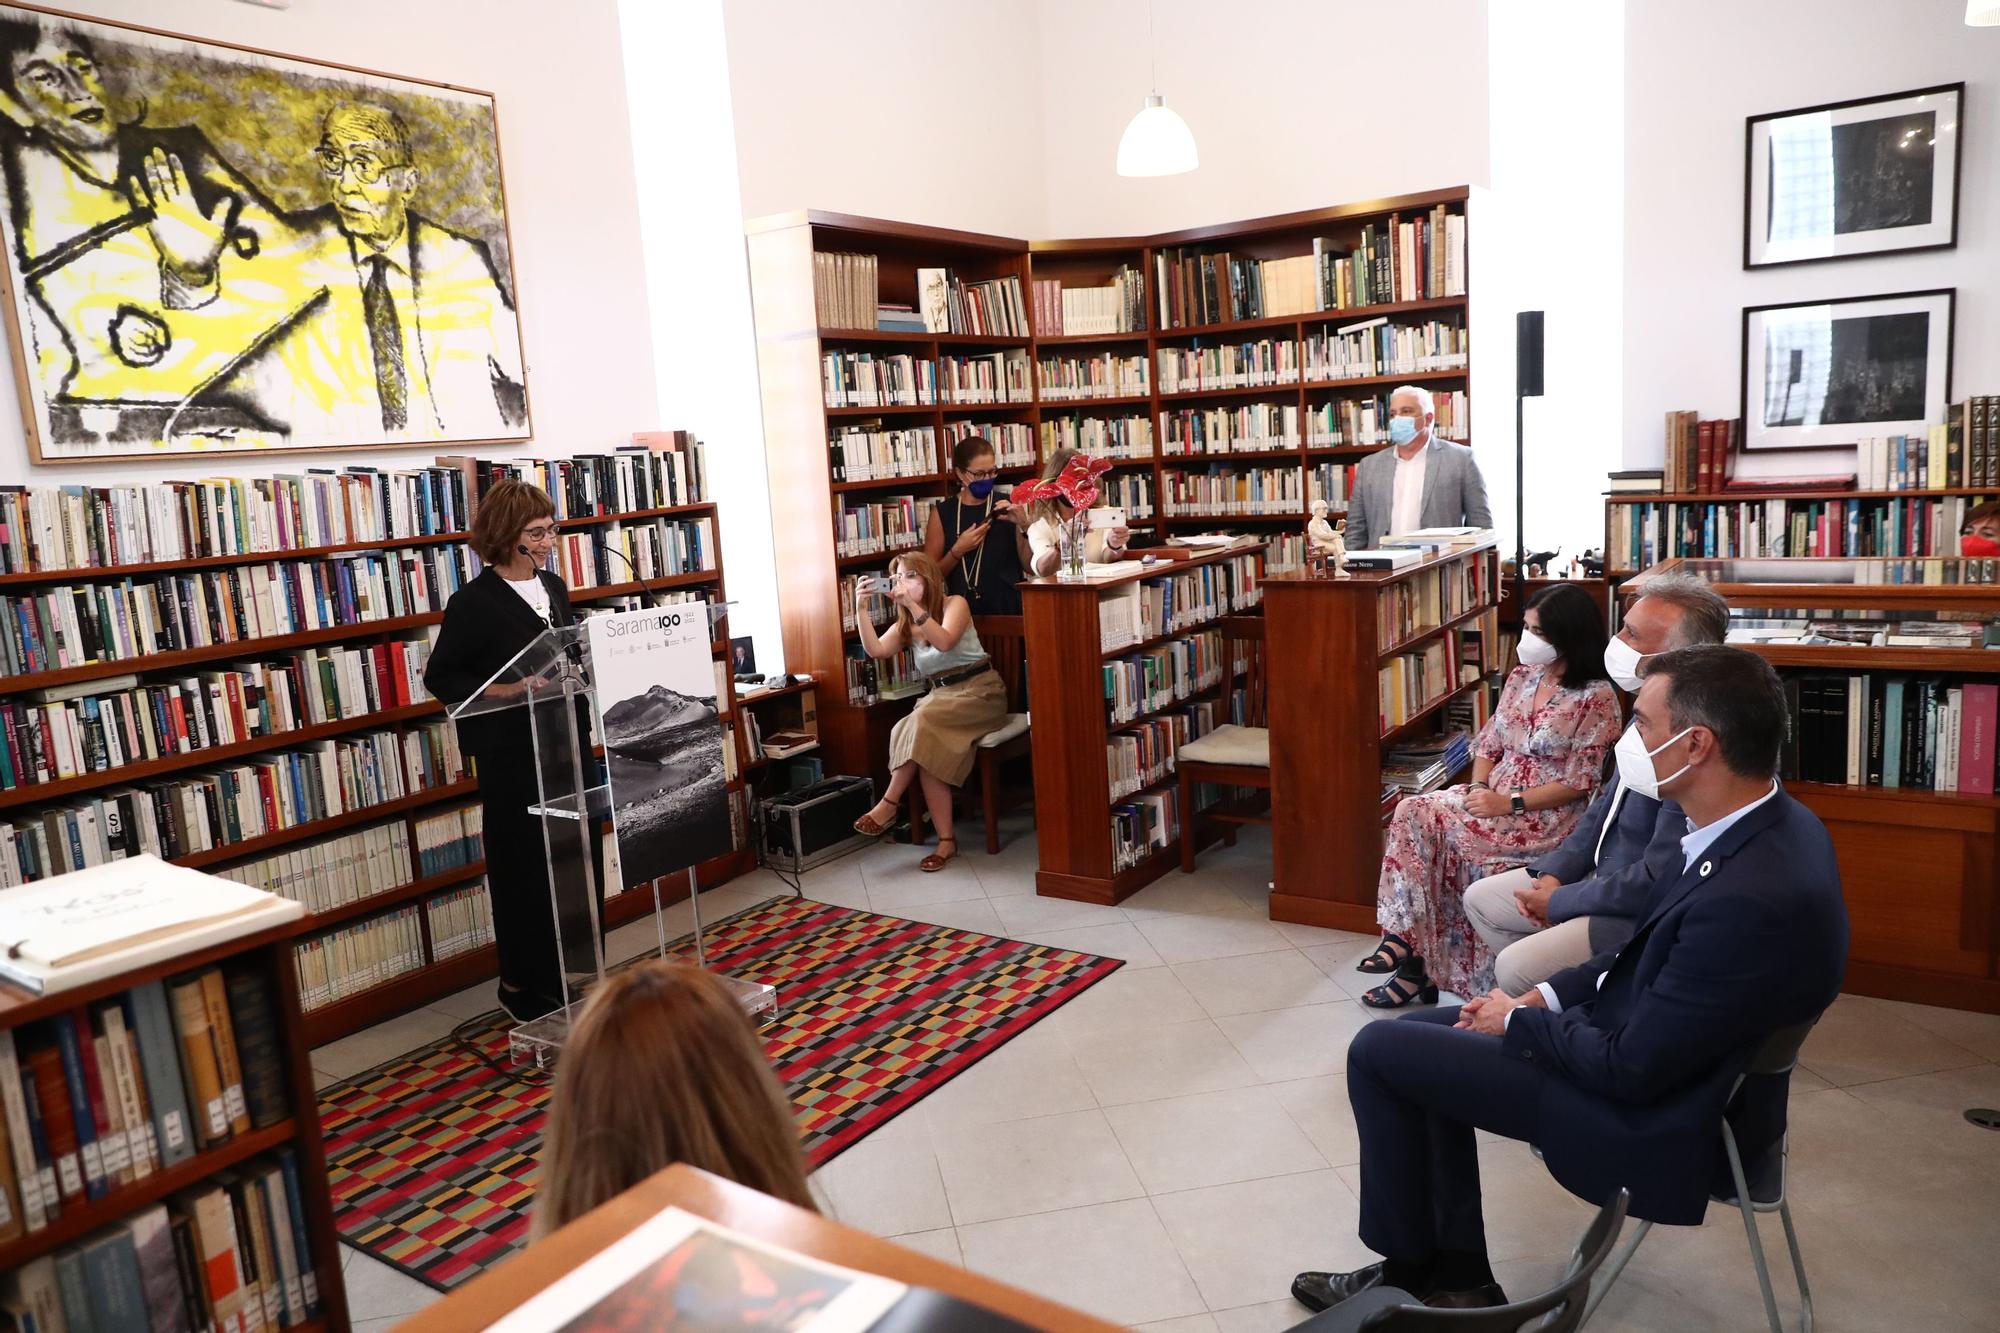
(1327, 641)
(494, 1294)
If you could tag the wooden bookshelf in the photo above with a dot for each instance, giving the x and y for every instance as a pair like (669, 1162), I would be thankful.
(798, 424)
(1920, 869)
(1066, 656)
(268, 951)
(1324, 649)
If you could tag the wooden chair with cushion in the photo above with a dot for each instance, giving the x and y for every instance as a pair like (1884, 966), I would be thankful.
(1005, 641)
(1234, 754)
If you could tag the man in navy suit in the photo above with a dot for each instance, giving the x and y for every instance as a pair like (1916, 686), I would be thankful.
(1618, 1069)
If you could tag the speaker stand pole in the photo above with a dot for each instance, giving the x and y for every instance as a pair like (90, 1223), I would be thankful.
(1520, 492)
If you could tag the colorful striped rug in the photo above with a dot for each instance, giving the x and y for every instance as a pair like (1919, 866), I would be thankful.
(432, 1155)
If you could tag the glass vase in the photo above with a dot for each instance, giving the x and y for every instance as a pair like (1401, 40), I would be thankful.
(1072, 534)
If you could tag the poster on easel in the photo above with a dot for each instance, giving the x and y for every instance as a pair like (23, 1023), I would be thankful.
(660, 720)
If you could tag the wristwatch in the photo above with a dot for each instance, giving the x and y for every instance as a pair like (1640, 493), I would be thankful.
(1520, 803)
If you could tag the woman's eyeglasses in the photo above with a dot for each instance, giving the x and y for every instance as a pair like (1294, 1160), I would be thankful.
(982, 474)
(540, 532)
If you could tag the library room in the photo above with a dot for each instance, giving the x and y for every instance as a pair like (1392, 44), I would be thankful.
(749, 664)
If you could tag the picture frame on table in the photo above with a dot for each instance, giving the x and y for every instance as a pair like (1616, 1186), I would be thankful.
(1825, 374)
(1843, 180)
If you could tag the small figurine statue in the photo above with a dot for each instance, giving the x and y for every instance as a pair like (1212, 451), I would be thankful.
(1326, 544)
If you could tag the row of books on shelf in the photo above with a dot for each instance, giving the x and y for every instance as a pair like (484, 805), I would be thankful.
(635, 550)
(1423, 766)
(1146, 824)
(1229, 365)
(1132, 492)
(1380, 346)
(1241, 429)
(1125, 437)
(864, 379)
(872, 452)
(994, 377)
(879, 680)
(846, 290)
(367, 862)
(1118, 306)
(1105, 375)
(879, 526)
(461, 920)
(114, 1091)
(359, 957)
(794, 738)
(1698, 452)
(1643, 533)
(1365, 421)
(1224, 492)
(1284, 552)
(54, 734)
(1162, 675)
(1927, 733)
(203, 811)
(989, 307)
(1149, 608)
(1013, 441)
(850, 598)
(72, 625)
(1960, 452)
(1146, 752)
(1428, 598)
(51, 528)
(1410, 682)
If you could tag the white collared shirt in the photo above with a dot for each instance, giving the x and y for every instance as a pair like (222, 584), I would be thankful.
(1406, 506)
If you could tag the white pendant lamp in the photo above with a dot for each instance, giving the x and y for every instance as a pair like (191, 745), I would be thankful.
(1982, 13)
(1157, 142)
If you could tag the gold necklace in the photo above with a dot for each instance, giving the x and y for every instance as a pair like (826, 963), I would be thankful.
(977, 560)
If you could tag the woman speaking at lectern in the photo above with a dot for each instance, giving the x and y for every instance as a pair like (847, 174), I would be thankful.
(486, 623)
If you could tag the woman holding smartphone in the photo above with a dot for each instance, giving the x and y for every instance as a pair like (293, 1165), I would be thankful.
(935, 744)
(1104, 546)
(976, 536)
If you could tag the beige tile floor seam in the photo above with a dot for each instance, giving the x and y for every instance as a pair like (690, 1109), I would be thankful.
(1130, 1074)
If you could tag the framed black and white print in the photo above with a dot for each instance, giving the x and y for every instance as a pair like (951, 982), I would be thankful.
(1822, 374)
(1866, 177)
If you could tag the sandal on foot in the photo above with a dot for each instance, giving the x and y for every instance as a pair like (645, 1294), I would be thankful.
(868, 828)
(940, 858)
(1388, 955)
(1402, 990)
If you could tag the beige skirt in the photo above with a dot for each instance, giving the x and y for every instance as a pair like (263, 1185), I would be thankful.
(943, 730)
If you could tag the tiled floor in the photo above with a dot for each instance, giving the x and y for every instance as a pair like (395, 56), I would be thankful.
(1171, 1147)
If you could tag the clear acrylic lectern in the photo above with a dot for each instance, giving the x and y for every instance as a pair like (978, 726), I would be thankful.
(550, 680)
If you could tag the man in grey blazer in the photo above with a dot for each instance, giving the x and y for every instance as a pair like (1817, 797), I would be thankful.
(1424, 482)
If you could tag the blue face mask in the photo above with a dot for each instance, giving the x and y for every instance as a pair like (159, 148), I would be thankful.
(1402, 429)
(979, 490)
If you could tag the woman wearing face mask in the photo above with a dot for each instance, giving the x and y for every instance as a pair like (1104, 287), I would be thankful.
(1536, 760)
(976, 537)
(1981, 534)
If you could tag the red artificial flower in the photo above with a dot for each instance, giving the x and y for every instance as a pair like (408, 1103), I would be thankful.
(1076, 483)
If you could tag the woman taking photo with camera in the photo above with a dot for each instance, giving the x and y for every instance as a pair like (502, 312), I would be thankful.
(1045, 518)
(976, 536)
(935, 744)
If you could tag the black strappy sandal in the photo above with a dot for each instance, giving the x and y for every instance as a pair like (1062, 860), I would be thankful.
(1384, 959)
(1410, 986)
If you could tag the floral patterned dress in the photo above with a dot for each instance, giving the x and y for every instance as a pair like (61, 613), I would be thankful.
(1436, 847)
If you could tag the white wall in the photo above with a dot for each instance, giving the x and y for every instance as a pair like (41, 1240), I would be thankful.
(1695, 70)
(567, 152)
(1294, 104)
(915, 110)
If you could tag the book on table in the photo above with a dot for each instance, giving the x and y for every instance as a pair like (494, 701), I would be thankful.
(1385, 558)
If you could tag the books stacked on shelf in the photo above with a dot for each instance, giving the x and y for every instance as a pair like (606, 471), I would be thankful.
(1639, 482)
(1152, 608)
(1243, 429)
(1142, 754)
(232, 1253)
(1285, 553)
(1144, 825)
(1426, 765)
(1013, 441)
(1469, 711)
(1867, 630)
(898, 317)
(1869, 728)
(1116, 307)
(850, 597)
(1643, 533)
(1229, 365)
(459, 921)
(342, 870)
(1129, 491)
(996, 377)
(72, 625)
(872, 452)
(1100, 437)
(1331, 482)
(991, 308)
(359, 957)
(1365, 421)
(1149, 681)
(863, 379)
(877, 527)
(203, 811)
(1379, 347)
(449, 840)
(844, 289)
(1699, 452)
(1410, 682)
(879, 680)
(1069, 378)
(90, 727)
(1222, 492)
(626, 551)
(117, 1090)
(97, 527)
(1197, 287)
(1428, 599)
(1972, 442)
(1393, 261)
(659, 468)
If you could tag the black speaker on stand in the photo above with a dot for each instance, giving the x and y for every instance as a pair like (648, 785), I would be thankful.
(1527, 384)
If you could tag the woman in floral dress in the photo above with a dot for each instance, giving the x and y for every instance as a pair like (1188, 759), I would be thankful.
(1534, 766)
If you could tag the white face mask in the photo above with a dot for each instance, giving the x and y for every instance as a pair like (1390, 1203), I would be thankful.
(1621, 663)
(1536, 650)
(1635, 762)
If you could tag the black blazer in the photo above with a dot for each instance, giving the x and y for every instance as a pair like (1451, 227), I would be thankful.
(485, 624)
(1749, 940)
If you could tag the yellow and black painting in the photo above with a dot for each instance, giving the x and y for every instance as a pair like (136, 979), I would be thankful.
(211, 249)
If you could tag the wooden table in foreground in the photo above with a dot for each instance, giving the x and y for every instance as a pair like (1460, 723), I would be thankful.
(488, 1297)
